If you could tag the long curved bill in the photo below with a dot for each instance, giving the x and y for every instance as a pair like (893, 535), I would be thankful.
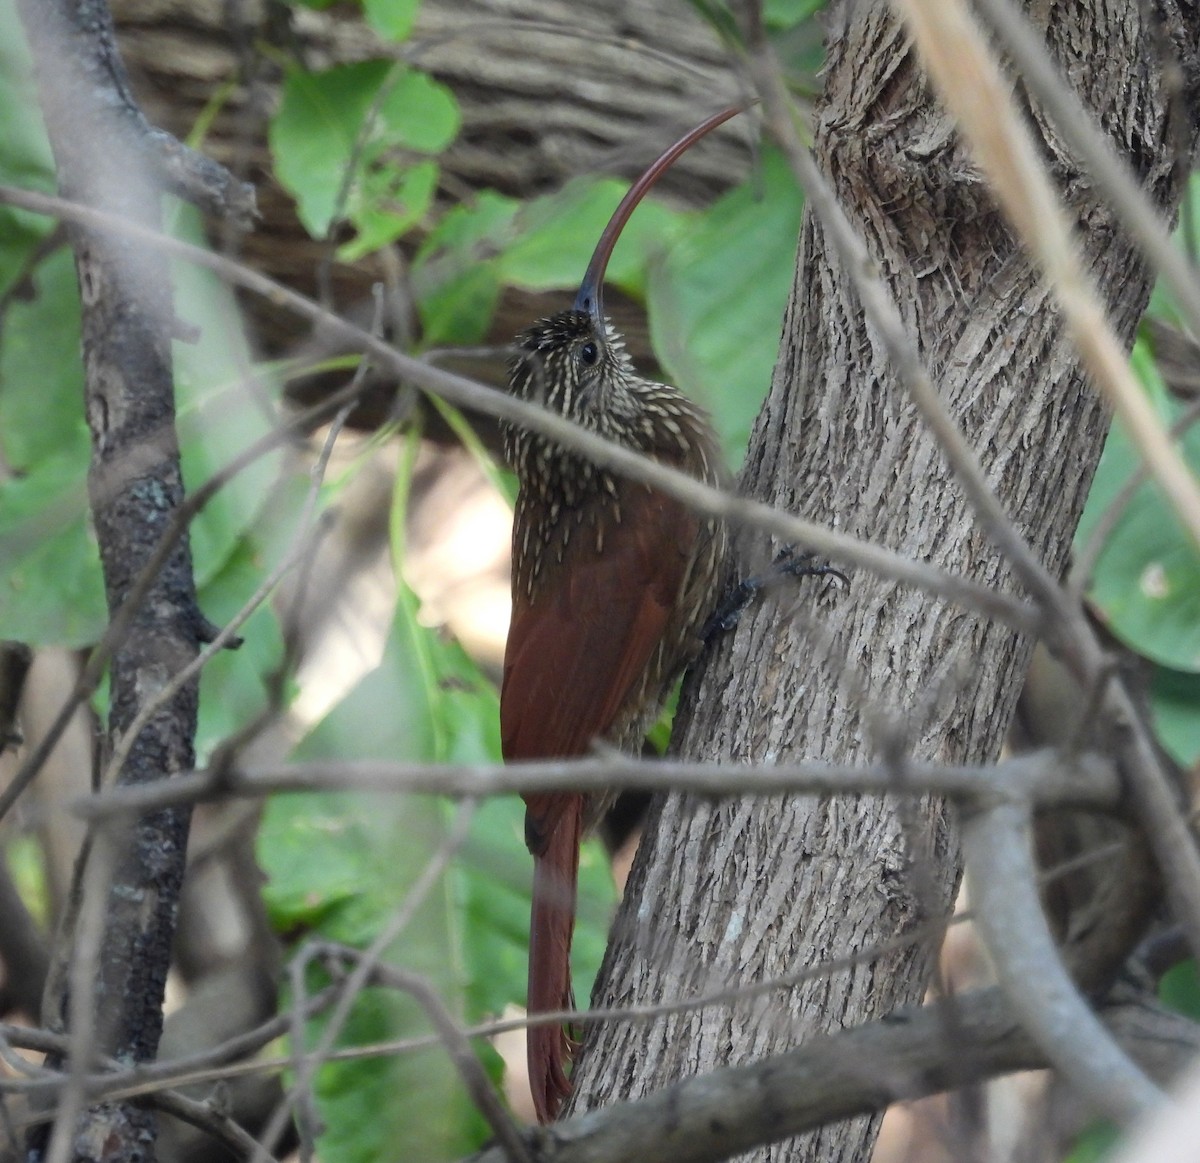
(590, 299)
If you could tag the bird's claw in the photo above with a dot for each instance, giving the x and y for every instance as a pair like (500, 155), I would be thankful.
(788, 562)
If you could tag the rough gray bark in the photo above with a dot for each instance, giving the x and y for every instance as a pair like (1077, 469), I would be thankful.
(746, 890)
(103, 151)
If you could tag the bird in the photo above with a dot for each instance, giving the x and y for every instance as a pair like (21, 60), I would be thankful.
(613, 583)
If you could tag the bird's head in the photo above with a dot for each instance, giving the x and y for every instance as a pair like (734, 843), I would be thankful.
(575, 362)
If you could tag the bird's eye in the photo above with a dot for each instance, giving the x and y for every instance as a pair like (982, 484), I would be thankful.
(589, 353)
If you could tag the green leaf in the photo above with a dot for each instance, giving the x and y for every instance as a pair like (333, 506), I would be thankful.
(314, 133)
(557, 234)
(456, 275)
(716, 304)
(1179, 988)
(389, 203)
(1146, 583)
(392, 19)
(41, 373)
(410, 1106)
(460, 311)
(51, 591)
(1162, 299)
(223, 404)
(353, 118)
(26, 860)
(1175, 701)
(1095, 1144)
(468, 233)
(781, 14)
(232, 685)
(1189, 217)
(424, 702)
(417, 113)
(494, 885)
(25, 158)
(312, 850)
(341, 863)
(717, 14)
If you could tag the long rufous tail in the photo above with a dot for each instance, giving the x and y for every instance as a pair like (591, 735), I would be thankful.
(552, 921)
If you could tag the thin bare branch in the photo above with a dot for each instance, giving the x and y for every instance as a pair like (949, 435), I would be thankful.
(205, 1117)
(905, 1055)
(1046, 777)
(199, 1114)
(147, 1078)
(456, 1044)
(222, 1062)
(87, 939)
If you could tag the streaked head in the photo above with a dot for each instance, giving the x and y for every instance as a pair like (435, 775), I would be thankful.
(575, 362)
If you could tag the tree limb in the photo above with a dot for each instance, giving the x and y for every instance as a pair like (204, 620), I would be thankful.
(103, 151)
(999, 858)
(908, 1055)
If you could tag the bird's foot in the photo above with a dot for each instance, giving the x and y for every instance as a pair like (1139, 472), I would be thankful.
(788, 563)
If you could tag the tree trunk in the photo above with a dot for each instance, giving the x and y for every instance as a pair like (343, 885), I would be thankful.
(746, 890)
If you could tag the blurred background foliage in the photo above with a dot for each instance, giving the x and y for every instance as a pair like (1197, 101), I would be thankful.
(357, 147)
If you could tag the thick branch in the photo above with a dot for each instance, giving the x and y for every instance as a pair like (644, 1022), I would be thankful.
(916, 1052)
(997, 843)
